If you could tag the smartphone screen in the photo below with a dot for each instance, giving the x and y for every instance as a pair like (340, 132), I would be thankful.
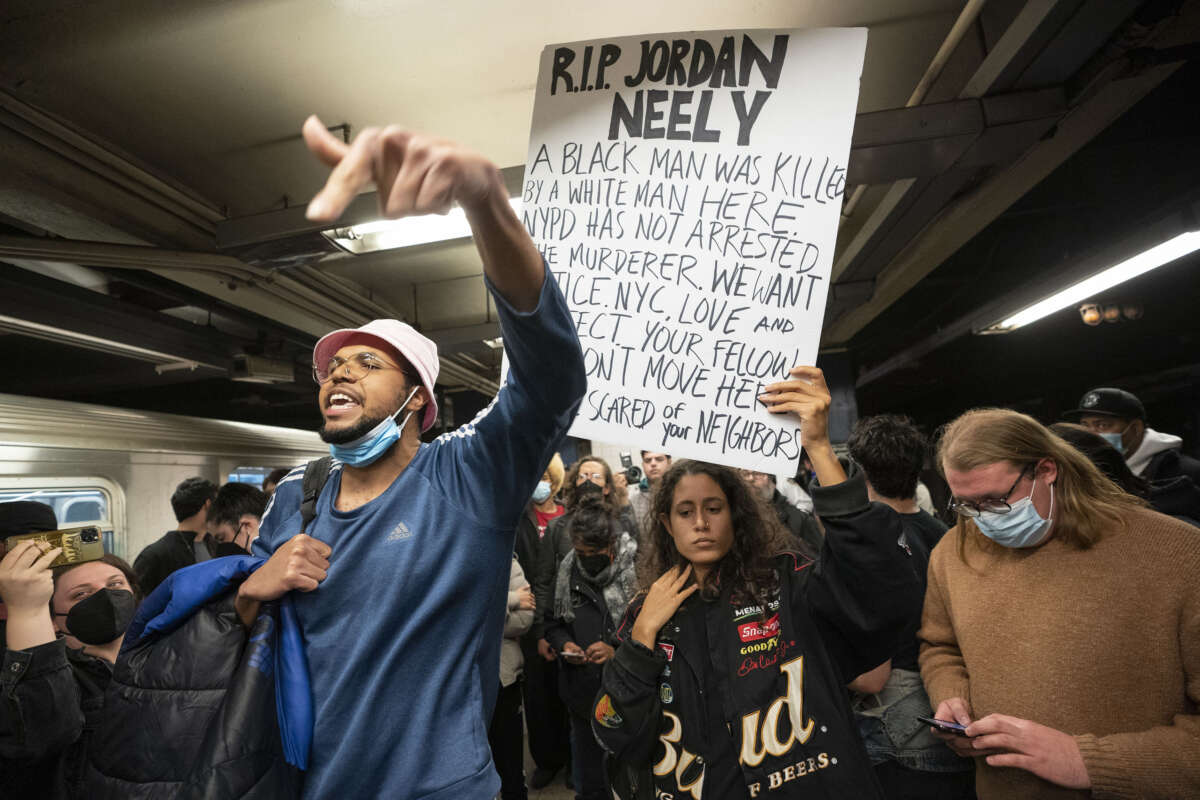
(945, 725)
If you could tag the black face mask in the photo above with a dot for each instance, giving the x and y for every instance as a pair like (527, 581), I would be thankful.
(586, 489)
(230, 549)
(594, 564)
(102, 617)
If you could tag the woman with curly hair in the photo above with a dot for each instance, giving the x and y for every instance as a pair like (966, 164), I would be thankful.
(729, 678)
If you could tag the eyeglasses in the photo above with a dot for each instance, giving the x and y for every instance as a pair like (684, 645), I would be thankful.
(992, 505)
(592, 476)
(358, 366)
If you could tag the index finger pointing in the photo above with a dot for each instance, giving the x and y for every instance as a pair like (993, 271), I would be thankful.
(323, 144)
(353, 172)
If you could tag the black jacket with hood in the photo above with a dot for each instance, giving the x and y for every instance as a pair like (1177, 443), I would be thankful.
(741, 701)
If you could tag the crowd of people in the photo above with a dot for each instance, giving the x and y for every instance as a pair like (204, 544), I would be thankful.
(392, 620)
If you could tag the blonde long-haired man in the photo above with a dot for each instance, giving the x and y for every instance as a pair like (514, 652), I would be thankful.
(1061, 622)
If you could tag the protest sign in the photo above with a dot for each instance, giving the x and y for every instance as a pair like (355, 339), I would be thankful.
(685, 190)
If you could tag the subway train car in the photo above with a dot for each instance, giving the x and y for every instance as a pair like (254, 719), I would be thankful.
(117, 468)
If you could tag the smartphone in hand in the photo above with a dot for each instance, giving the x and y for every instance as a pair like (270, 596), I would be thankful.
(945, 726)
(573, 657)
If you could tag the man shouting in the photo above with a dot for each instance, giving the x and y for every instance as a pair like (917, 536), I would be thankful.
(402, 577)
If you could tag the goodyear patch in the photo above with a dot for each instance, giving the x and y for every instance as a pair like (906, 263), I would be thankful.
(666, 693)
(606, 715)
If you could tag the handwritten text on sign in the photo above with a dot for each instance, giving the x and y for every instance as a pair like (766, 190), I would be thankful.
(685, 191)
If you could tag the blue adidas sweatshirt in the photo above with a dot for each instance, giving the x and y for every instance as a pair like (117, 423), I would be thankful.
(403, 636)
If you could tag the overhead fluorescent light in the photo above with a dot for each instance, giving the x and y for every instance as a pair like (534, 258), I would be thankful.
(1140, 264)
(390, 234)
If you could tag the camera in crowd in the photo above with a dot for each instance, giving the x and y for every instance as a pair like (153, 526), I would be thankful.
(78, 544)
(632, 474)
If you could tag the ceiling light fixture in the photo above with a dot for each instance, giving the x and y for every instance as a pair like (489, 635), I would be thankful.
(1143, 262)
(391, 234)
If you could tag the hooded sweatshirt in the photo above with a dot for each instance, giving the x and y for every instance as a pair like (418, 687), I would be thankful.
(1153, 443)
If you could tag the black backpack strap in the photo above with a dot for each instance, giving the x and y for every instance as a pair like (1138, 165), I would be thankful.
(315, 476)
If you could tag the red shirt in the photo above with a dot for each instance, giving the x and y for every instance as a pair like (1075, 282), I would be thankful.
(543, 518)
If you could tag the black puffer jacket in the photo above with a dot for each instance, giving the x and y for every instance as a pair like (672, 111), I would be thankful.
(190, 711)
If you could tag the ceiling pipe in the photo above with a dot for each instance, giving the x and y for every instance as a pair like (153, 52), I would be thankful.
(323, 296)
(123, 256)
(965, 20)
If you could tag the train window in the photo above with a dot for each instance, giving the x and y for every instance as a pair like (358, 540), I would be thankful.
(251, 475)
(76, 502)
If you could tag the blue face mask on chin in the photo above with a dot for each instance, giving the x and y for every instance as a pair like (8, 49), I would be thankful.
(1021, 527)
(1117, 440)
(367, 449)
(542, 493)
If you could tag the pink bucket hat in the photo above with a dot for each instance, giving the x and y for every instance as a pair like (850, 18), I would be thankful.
(419, 350)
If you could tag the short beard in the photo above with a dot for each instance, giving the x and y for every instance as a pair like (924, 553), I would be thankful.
(355, 431)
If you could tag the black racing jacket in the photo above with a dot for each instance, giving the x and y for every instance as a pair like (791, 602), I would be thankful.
(806, 533)
(776, 675)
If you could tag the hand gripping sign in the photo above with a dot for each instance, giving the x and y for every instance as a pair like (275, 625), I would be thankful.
(685, 190)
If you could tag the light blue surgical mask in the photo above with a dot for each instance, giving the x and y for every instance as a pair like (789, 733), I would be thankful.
(1023, 526)
(542, 493)
(368, 448)
(1116, 440)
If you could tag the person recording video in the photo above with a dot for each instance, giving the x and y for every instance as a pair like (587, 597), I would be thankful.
(64, 629)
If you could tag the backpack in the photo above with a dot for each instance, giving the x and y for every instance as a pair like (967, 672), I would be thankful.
(316, 475)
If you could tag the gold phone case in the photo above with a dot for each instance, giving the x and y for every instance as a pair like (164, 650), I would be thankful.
(78, 544)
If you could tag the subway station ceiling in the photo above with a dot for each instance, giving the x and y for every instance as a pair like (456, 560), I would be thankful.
(153, 251)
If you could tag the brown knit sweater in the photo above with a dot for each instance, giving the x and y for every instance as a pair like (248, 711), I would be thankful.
(1102, 643)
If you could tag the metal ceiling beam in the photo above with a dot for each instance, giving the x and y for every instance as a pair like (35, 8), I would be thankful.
(921, 224)
(961, 221)
(1008, 125)
(34, 305)
(50, 167)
